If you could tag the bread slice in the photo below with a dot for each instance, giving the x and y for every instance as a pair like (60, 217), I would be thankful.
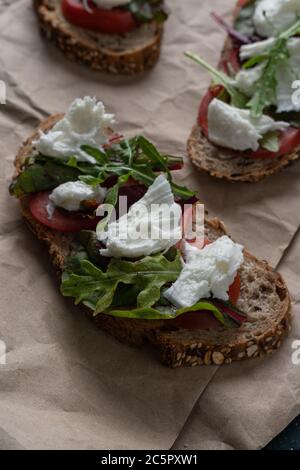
(228, 164)
(264, 298)
(128, 54)
(225, 163)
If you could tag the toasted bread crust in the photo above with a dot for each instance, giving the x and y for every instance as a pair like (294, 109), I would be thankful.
(224, 163)
(83, 49)
(228, 164)
(179, 347)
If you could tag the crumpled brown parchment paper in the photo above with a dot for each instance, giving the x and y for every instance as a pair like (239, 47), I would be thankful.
(67, 385)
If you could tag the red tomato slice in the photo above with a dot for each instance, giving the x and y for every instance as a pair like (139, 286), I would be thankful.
(289, 141)
(115, 21)
(213, 92)
(60, 220)
(231, 62)
(65, 221)
(235, 290)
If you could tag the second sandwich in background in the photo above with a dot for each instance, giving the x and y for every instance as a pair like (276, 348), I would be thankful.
(249, 120)
(112, 36)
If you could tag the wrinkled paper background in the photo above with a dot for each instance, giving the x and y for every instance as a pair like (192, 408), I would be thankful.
(66, 384)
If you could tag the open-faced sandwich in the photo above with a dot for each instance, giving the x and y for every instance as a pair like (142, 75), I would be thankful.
(249, 120)
(113, 36)
(135, 248)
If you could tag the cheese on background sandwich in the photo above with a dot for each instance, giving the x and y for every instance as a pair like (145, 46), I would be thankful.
(113, 36)
(248, 125)
(199, 298)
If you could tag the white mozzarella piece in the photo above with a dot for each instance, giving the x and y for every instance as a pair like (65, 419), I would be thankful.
(151, 225)
(85, 123)
(271, 17)
(70, 195)
(234, 128)
(206, 272)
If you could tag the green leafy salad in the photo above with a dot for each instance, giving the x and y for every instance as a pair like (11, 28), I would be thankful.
(120, 287)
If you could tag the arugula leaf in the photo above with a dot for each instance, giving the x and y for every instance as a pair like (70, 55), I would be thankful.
(152, 153)
(172, 160)
(123, 151)
(96, 287)
(42, 177)
(290, 32)
(128, 283)
(147, 313)
(110, 202)
(100, 157)
(91, 180)
(258, 59)
(145, 174)
(72, 162)
(88, 239)
(182, 191)
(238, 99)
(266, 85)
(73, 263)
(270, 141)
(137, 158)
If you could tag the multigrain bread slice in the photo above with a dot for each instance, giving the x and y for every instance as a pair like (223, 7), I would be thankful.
(127, 54)
(232, 166)
(264, 298)
(228, 164)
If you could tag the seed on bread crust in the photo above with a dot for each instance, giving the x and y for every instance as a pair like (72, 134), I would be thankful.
(251, 350)
(218, 358)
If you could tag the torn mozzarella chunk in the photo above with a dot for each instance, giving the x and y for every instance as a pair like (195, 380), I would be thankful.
(206, 272)
(234, 128)
(70, 195)
(271, 17)
(85, 123)
(151, 225)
